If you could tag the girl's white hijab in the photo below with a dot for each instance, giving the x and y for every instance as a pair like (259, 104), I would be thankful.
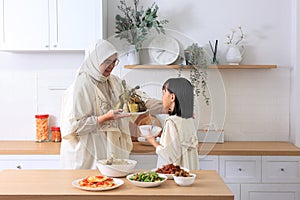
(94, 57)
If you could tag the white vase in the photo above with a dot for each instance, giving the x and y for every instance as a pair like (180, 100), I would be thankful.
(133, 56)
(235, 54)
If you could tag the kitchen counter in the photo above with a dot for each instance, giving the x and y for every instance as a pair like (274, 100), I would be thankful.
(56, 184)
(227, 148)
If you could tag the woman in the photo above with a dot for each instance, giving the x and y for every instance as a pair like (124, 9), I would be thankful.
(178, 142)
(91, 129)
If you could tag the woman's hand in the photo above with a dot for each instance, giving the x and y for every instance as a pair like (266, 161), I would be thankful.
(113, 115)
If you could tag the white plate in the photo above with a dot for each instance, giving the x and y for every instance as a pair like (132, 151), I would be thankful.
(134, 113)
(117, 181)
(144, 141)
(170, 176)
(147, 184)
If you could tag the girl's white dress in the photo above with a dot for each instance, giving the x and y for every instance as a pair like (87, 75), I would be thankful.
(178, 143)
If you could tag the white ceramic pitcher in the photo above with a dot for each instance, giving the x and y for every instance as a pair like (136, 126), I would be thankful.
(235, 54)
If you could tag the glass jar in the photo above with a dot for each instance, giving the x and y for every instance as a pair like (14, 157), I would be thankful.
(56, 136)
(42, 130)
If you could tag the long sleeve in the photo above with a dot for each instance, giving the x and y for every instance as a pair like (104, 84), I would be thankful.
(169, 150)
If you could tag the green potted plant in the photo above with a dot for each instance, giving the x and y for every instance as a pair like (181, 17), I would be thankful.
(196, 59)
(134, 22)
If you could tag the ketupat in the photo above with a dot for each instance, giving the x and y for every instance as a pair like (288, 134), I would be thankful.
(130, 101)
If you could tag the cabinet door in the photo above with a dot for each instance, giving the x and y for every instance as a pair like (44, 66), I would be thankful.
(270, 191)
(145, 162)
(209, 162)
(281, 169)
(240, 169)
(25, 24)
(29, 162)
(1, 25)
(76, 24)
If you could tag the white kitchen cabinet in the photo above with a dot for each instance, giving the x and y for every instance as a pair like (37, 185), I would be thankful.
(240, 169)
(29, 162)
(281, 169)
(236, 189)
(145, 162)
(270, 191)
(209, 162)
(51, 24)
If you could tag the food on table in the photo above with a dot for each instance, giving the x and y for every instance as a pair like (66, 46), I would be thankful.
(96, 182)
(182, 173)
(130, 101)
(170, 169)
(114, 161)
(146, 177)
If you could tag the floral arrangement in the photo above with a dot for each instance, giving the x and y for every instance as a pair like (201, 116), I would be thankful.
(233, 38)
(137, 22)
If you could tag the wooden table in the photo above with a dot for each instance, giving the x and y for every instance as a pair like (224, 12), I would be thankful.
(56, 184)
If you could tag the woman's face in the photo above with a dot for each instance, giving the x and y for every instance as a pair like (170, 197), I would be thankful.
(168, 100)
(108, 65)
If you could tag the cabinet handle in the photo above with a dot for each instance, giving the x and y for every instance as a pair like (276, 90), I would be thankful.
(55, 45)
(19, 167)
(240, 169)
(282, 169)
(47, 46)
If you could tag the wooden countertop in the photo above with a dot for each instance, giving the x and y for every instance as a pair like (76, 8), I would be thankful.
(227, 148)
(56, 184)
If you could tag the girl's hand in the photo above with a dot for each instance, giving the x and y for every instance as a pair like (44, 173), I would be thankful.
(152, 140)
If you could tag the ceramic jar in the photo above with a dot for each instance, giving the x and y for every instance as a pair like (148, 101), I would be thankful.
(235, 54)
(133, 56)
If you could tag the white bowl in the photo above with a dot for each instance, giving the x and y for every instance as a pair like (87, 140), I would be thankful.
(116, 170)
(147, 184)
(162, 118)
(147, 129)
(184, 181)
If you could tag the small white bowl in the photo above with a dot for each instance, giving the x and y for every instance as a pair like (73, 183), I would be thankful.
(184, 181)
(116, 170)
(146, 129)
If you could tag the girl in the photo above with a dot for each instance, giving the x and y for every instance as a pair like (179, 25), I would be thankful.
(179, 142)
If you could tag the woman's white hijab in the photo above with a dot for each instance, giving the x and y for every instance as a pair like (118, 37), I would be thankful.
(94, 57)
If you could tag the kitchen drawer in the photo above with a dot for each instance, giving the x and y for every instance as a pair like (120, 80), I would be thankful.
(270, 191)
(281, 169)
(209, 162)
(29, 162)
(240, 169)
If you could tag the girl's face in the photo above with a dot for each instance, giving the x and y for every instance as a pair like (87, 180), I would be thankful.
(168, 100)
(108, 65)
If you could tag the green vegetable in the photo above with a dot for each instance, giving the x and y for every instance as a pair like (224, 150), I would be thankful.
(146, 177)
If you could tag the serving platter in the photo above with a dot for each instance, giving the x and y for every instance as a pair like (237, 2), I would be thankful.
(117, 181)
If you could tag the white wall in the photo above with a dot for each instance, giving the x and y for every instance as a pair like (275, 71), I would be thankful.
(257, 102)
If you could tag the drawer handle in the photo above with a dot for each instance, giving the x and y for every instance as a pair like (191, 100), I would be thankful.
(19, 167)
(282, 169)
(240, 169)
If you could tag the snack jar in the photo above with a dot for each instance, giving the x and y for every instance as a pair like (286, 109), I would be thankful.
(56, 136)
(42, 130)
